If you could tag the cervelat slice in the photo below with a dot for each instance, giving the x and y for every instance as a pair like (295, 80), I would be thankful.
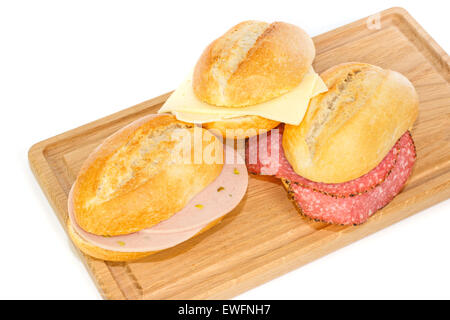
(352, 202)
(219, 198)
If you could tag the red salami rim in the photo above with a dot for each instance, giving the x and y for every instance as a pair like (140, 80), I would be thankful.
(337, 196)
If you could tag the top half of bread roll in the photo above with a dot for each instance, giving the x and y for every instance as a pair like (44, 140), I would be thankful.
(348, 130)
(138, 177)
(251, 63)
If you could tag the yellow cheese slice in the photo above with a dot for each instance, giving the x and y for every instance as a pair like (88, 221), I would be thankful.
(288, 108)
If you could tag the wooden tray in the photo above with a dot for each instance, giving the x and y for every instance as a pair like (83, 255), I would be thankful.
(265, 236)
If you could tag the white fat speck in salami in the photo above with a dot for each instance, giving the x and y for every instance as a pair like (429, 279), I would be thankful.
(219, 198)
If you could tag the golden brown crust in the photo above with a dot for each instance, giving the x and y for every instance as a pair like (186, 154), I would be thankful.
(130, 182)
(242, 127)
(109, 255)
(349, 129)
(252, 63)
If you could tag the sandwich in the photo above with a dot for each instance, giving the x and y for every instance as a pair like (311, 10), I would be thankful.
(150, 186)
(352, 153)
(249, 80)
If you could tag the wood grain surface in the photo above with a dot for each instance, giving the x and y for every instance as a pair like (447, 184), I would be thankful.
(265, 237)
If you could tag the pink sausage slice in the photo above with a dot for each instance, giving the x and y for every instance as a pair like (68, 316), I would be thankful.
(358, 208)
(219, 198)
(351, 202)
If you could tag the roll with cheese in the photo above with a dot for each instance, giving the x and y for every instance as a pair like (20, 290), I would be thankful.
(252, 78)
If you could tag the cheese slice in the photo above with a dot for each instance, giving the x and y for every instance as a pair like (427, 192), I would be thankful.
(289, 108)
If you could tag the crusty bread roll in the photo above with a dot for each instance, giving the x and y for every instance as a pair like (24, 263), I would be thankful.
(130, 182)
(251, 63)
(348, 130)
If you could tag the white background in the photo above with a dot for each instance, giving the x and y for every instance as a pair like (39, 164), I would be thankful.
(63, 64)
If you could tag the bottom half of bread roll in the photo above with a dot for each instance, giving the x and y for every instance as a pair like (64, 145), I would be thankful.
(241, 127)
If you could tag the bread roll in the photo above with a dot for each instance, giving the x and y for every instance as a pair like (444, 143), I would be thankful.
(348, 130)
(251, 63)
(130, 182)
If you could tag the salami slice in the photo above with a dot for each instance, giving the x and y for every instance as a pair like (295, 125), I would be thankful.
(351, 202)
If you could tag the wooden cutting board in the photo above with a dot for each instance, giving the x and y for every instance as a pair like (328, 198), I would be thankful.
(265, 236)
